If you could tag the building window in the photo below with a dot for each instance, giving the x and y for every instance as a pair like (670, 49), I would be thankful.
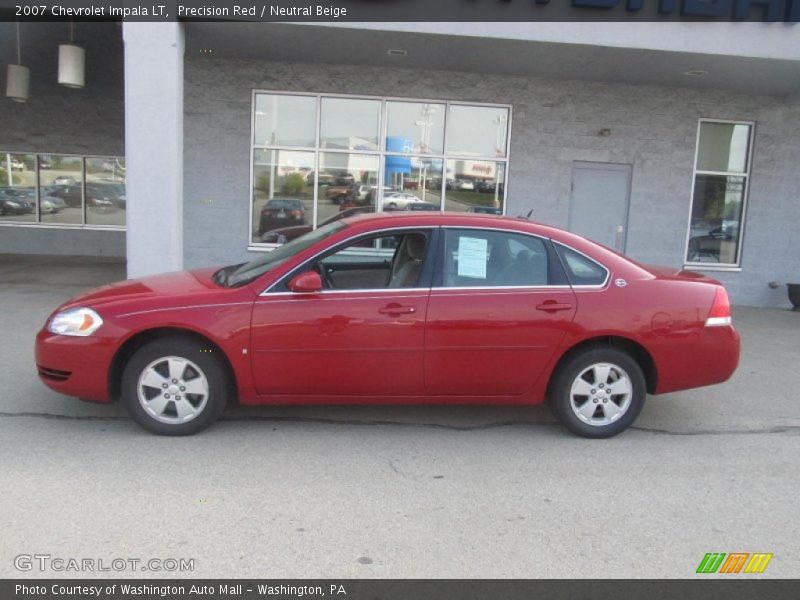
(719, 197)
(62, 190)
(317, 158)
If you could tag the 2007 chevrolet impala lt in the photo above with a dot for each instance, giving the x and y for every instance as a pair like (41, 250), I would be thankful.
(391, 308)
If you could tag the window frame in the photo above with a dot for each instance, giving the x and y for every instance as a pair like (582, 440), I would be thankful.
(432, 232)
(706, 266)
(381, 152)
(83, 225)
(565, 268)
(553, 262)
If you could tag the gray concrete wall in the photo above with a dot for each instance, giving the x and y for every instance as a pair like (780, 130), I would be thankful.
(59, 120)
(554, 123)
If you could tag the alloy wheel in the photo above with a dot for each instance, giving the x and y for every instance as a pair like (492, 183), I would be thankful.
(601, 394)
(173, 390)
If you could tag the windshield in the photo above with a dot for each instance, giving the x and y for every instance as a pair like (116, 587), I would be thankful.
(242, 274)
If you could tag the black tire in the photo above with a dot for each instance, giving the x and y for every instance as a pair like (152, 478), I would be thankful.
(200, 355)
(568, 373)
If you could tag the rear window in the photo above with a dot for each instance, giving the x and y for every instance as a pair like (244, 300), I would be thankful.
(581, 269)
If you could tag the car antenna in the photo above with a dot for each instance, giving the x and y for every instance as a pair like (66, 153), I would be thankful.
(528, 216)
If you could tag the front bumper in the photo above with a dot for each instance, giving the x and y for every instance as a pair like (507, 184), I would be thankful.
(75, 366)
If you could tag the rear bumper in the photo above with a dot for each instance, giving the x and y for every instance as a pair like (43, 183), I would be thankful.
(712, 357)
(75, 366)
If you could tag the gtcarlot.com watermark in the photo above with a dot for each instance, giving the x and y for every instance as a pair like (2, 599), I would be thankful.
(45, 563)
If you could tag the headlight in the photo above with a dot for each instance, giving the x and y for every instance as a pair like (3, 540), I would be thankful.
(75, 321)
(14, 203)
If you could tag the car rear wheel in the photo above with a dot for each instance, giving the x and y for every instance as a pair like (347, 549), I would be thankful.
(174, 386)
(599, 392)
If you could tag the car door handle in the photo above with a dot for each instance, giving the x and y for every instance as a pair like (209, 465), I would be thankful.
(397, 309)
(553, 306)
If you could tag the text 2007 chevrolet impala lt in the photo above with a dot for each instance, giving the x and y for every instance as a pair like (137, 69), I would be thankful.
(390, 308)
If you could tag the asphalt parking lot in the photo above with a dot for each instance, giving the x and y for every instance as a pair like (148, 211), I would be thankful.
(397, 491)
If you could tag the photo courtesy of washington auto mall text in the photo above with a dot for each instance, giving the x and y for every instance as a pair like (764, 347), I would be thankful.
(177, 589)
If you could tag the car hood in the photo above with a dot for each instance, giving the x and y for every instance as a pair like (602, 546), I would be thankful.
(149, 292)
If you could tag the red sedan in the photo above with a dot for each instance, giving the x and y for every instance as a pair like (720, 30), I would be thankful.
(398, 308)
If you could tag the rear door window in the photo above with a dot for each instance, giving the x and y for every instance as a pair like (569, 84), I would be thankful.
(485, 258)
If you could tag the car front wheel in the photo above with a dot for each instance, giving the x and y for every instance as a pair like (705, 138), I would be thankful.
(599, 392)
(174, 386)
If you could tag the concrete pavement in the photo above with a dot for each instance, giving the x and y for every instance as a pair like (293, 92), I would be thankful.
(397, 491)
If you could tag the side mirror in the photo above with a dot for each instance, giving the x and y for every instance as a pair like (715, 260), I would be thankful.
(307, 282)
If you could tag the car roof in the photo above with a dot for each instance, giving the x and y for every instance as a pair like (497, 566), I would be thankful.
(428, 219)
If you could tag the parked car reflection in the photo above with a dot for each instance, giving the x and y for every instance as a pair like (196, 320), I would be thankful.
(15, 202)
(287, 234)
(485, 210)
(281, 212)
(711, 247)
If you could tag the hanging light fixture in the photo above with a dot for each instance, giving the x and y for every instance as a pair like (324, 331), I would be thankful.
(71, 62)
(18, 77)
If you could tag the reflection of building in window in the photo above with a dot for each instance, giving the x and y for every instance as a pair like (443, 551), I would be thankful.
(62, 190)
(719, 192)
(375, 154)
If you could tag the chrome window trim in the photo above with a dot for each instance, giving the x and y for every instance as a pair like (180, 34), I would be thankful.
(734, 267)
(375, 291)
(381, 152)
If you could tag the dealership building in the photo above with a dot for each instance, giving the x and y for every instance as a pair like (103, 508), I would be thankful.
(191, 144)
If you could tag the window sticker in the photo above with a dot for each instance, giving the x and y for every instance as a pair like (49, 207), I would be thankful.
(472, 257)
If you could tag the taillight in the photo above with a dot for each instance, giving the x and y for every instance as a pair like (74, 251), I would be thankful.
(720, 313)
(296, 214)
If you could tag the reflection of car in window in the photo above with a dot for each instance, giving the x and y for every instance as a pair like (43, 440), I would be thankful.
(281, 212)
(72, 195)
(14, 201)
(287, 234)
(105, 196)
(714, 245)
(485, 210)
(398, 200)
(64, 180)
(422, 206)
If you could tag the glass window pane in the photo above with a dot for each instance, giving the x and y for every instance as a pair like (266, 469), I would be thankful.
(412, 183)
(475, 186)
(415, 127)
(105, 191)
(493, 258)
(350, 124)
(385, 261)
(477, 131)
(285, 120)
(283, 194)
(347, 184)
(581, 270)
(723, 147)
(716, 219)
(61, 184)
(17, 187)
